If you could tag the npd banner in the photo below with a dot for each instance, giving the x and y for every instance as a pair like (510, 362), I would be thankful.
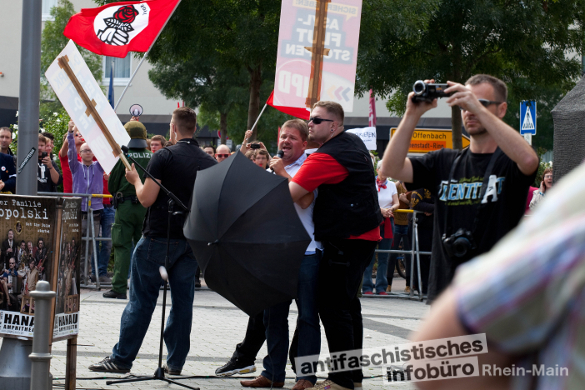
(295, 47)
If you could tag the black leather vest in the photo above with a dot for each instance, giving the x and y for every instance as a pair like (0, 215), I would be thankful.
(350, 207)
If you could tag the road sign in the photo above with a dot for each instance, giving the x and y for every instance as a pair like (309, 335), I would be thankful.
(427, 140)
(528, 117)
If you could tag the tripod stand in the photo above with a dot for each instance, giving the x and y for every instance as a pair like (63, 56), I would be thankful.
(159, 373)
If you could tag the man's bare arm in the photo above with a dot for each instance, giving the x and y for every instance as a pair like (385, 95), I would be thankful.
(296, 191)
(442, 322)
(147, 192)
(395, 164)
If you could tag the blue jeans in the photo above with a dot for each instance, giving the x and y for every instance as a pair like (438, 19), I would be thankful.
(106, 221)
(381, 279)
(145, 281)
(401, 232)
(276, 322)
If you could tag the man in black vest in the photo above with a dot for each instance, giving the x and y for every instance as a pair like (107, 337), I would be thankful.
(347, 219)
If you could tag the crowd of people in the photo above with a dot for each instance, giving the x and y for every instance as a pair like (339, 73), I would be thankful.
(467, 201)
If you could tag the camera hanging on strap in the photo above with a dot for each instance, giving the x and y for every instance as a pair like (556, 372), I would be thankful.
(461, 244)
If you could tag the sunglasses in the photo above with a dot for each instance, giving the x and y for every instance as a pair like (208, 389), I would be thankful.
(317, 120)
(484, 102)
(222, 155)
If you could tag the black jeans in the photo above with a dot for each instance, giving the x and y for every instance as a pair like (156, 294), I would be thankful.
(342, 266)
(247, 350)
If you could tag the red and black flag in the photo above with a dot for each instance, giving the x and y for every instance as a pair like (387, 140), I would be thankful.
(117, 28)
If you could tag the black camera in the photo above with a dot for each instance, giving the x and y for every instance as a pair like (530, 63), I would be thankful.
(460, 244)
(255, 146)
(428, 92)
(42, 155)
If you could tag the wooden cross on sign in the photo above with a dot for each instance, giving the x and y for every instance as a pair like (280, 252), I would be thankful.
(318, 50)
(91, 110)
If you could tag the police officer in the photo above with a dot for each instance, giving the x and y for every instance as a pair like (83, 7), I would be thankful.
(129, 212)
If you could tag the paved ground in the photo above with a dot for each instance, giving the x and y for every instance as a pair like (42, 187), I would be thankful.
(217, 327)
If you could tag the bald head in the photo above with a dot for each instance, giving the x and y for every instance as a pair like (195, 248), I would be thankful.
(86, 154)
(222, 152)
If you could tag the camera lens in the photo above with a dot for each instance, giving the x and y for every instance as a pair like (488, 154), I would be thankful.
(419, 87)
(461, 246)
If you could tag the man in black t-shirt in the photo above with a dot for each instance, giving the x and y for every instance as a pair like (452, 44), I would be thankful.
(484, 216)
(176, 168)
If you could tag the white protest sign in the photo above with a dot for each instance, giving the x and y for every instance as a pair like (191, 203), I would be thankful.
(368, 135)
(77, 110)
(295, 61)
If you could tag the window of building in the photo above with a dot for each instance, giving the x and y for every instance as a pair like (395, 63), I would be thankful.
(122, 68)
(47, 5)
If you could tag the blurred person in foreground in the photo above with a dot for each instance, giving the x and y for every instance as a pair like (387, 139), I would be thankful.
(528, 296)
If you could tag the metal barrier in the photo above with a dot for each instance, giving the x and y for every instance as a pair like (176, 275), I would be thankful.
(412, 253)
(87, 237)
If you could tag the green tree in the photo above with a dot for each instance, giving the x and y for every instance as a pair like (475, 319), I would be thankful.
(525, 43)
(52, 43)
(229, 37)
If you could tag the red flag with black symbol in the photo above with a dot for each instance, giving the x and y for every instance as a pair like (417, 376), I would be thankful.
(117, 28)
(301, 113)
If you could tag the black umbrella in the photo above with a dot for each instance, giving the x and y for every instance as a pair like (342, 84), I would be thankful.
(246, 234)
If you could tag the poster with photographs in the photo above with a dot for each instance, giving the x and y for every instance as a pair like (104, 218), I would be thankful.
(67, 289)
(27, 236)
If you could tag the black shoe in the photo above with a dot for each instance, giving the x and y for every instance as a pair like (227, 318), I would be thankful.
(108, 365)
(171, 372)
(197, 283)
(113, 294)
(233, 366)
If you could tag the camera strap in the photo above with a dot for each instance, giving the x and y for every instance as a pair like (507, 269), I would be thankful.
(484, 186)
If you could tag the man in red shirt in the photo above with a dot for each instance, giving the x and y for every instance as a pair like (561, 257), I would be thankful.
(347, 219)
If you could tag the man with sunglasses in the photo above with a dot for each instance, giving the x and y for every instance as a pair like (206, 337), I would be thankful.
(347, 219)
(222, 152)
(481, 191)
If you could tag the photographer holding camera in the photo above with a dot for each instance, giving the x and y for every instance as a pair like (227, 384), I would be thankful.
(48, 175)
(481, 191)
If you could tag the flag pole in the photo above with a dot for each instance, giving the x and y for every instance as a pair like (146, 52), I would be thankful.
(257, 119)
(145, 55)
